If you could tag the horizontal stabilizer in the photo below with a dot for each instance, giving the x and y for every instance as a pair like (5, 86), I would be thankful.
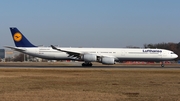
(15, 48)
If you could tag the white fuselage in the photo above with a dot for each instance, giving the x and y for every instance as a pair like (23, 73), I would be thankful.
(120, 54)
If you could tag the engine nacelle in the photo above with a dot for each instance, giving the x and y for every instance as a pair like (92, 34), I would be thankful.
(90, 57)
(107, 60)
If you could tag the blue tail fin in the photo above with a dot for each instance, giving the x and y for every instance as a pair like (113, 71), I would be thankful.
(19, 39)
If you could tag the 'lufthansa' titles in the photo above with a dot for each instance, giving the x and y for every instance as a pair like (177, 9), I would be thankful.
(152, 51)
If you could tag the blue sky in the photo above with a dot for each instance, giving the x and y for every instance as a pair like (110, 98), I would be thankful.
(91, 23)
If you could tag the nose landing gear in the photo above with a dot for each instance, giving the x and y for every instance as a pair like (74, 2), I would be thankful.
(162, 64)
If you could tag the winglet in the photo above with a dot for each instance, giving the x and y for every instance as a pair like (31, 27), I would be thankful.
(19, 39)
(53, 47)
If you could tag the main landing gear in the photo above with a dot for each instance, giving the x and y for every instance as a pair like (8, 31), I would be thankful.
(87, 64)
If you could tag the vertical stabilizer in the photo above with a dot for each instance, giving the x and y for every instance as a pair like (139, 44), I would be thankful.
(19, 39)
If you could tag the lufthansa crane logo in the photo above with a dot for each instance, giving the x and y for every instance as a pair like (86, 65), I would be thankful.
(17, 37)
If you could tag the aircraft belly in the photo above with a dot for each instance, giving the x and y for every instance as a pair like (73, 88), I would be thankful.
(54, 56)
(141, 57)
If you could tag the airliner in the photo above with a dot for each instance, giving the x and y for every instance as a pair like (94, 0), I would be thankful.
(107, 56)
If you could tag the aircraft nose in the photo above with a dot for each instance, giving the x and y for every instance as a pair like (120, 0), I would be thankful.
(175, 56)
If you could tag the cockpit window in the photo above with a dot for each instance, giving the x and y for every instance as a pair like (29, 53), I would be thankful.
(172, 52)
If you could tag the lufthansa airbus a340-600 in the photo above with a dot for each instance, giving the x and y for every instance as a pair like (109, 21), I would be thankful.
(108, 56)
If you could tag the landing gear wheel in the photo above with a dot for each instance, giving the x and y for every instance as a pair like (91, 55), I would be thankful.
(83, 64)
(87, 64)
(90, 64)
(162, 64)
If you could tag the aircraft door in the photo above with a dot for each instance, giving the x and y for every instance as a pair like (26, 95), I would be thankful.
(163, 55)
(123, 53)
(37, 51)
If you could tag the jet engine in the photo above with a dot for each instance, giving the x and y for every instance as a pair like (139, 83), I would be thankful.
(90, 57)
(107, 60)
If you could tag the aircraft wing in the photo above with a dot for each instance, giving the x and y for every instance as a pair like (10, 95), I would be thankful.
(78, 53)
(15, 48)
(71, 53)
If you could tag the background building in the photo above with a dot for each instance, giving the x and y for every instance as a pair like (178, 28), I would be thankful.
(2, 53)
